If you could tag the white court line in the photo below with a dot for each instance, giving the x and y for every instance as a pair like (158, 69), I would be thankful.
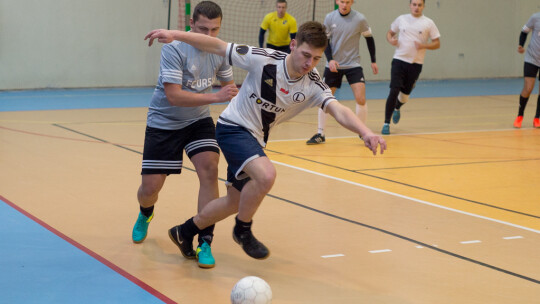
(409, 198)
(471, 242)
(332, 255)
(513, 237)
(380, 251)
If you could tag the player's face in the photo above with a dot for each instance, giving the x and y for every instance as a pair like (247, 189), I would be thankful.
(206, 26)
(281, 9)
(344, 6)
(304, 58)
(417, 7)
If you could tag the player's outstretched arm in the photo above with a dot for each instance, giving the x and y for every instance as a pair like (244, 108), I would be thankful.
(345, 117)
(202, 42)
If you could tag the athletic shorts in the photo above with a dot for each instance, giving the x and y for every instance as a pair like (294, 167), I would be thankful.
(163, 149)
(284, 48)
(404, 75)
(239, 148)
(530, 70)
(333, 79)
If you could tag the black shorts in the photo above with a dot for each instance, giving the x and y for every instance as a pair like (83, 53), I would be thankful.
(284, 48)
(404, 75)
(333, 79)
(530, 70)
(163, 149)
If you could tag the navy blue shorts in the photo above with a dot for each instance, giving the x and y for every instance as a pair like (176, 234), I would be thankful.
(164, 149)
(334, 79)
(530, 70)
(404, 75)
(239, 148)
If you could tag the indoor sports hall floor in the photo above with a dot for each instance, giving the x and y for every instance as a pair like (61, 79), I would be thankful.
(449, 214)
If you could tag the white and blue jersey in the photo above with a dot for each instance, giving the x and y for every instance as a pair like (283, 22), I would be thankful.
(195, 71)
(268, 95)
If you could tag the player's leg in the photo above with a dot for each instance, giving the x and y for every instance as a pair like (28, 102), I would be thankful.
(411, 76)
(529, 75)
(161, 156)
(355, 77)
(333, 80)
(536, 120)
(396, 82)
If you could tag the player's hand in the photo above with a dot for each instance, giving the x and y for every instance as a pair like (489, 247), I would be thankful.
(393, 41)
(521, 50)
(374, 68)
(372, 141)
(227, 93)
(419, 45)
(163, 36)
(333, 66)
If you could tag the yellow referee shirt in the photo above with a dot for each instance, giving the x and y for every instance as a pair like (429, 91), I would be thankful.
(279, 29)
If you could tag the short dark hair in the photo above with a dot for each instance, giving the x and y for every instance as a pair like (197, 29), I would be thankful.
(208, 9)
(281, 1)
(410, 1)
(312, 33)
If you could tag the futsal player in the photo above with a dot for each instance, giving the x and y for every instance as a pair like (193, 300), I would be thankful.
(281, 27)
(412, 34)
(179, 120)
(277, 87)
(345, 27)
(530, 68)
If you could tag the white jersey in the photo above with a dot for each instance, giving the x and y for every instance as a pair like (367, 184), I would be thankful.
(409, 30)
(268, 95)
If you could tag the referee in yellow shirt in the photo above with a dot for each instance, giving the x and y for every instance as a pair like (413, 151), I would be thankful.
(281, 27)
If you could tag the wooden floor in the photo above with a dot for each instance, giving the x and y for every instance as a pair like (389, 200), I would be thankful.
(449, 214)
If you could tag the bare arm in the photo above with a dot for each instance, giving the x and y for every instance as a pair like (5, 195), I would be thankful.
(182, 98)
(202, 42)
(391, 38)
(345, 117)
(433, 45)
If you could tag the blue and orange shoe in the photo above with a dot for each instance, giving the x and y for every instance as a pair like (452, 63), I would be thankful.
(140, 230)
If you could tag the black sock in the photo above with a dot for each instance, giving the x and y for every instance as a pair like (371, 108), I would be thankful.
(537, 107)
(390, 104)
(189, 229)
(241, 227)
(398, 104)
(522, 104)
(207, 234)
(147, 211)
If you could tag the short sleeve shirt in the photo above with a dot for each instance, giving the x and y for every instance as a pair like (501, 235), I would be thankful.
(411, 29)
(195, 71)
(279, 29)
(268, 95)
(533, 50)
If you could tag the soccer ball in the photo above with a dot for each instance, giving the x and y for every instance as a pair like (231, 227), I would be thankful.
(251, 290)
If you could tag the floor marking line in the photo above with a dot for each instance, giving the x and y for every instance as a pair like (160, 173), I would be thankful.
(332, 255)
(410, 198)
(380, 251)
(513, 237)
(471, 242)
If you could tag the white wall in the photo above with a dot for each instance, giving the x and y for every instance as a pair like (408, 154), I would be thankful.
(99, 43)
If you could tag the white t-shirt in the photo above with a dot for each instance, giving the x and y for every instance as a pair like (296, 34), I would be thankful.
(268, 95)
(409, 30)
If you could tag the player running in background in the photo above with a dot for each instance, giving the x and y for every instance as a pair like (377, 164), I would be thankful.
(179, 120)
(530, 68)
(277, 87)
(281, 28)
(412, 34)
(345, 27)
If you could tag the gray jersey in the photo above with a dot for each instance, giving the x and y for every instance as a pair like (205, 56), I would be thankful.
(196, 71)
(533, 50)
(344, 33)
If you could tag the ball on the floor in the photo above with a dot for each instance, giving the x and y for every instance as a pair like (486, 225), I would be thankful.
(251, 290)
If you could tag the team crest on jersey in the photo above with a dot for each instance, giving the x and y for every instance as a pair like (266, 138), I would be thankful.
(298, 97)
(242, 49)
(284, 22)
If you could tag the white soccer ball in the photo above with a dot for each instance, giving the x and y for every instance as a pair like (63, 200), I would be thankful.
(251, 290)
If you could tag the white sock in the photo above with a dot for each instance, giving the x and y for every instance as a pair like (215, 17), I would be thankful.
(361, 112)
(322, 121)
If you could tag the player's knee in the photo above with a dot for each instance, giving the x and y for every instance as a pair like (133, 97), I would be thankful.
(361, 100)
(149, 190)
(266, 180)
(403, 98)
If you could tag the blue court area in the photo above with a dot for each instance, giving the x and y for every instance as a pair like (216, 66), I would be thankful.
(54, 99)
(39, 266)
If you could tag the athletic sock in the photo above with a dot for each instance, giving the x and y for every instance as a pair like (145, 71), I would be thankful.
(241, 227)
(522, 104)
(537, 107)
(147, 211)
(361, 112)
(399, 104)
(322, 121)
(189, 229)
(206, 235)
(390, 104)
